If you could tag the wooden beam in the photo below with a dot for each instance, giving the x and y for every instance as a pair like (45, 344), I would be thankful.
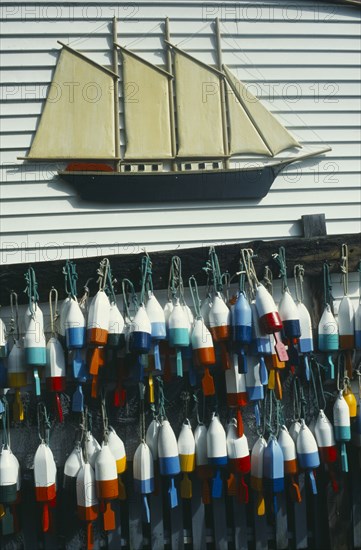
(309, 252)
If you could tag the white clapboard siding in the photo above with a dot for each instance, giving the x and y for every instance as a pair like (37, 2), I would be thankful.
(300, 58)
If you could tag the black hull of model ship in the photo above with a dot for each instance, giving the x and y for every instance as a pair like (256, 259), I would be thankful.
(135, 187)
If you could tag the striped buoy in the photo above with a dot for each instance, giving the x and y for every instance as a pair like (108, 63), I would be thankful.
(34, 342)
(156, 316)
(235, 385)
(289, 452)
(238, 458)
(307, 453)
(116, 336)
(257, 473)
(216, 452)
(328, 338)
(187, 457)
(55, 371)
(86, 498)
(143, 474)
(203, 469)
(98, 319)
(140, 337)
(106, 482)
(117, 448)
(305, 342)
(178, 327)
(45, 481)
(342, 426)
(326, 444)
(169, 463)
(273, 469)
(242, 329)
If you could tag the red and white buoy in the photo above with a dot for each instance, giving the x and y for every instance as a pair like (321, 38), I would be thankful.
(326, 445)
(45, 481)
(270, 320)
(235, 385)
(238, 458)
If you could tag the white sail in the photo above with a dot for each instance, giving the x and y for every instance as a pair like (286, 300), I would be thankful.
(78, 117)
(146, 109)
(243, 136)
(272, 133)
(198, 108)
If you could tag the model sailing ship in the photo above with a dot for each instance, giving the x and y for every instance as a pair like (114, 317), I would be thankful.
(182, 126)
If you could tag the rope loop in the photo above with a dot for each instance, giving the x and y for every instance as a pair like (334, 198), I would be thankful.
(298, 274)
(53, 309)
(102, 271)
(146, 280)
(193, 287)
(327, 285)
(344, 268)
(280, 260)
(129, 297)
(31, 289)
(44, 424)
(14, 321)
(104, 419)
(247, 258)
(268, 279)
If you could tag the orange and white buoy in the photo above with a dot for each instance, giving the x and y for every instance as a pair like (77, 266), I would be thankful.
(87, 501)
(288, 448)
(106, 481)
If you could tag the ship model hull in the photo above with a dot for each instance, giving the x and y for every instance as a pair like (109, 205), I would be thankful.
(206, 185)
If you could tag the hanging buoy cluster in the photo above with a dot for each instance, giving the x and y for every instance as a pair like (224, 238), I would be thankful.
(247, 342)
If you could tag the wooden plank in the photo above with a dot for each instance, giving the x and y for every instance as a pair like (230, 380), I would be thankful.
(198, 516)
(220, 523)
(281, 522)
(29, 515)
(260, 528)
(156, 516)
(310, 252)
(176, 525)
(135, 520)
(240, 525)
(300, 516)
(314, 225)
(355, 473)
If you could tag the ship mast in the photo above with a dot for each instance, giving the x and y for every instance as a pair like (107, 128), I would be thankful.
(116, 96)
(171, 98)
(222, 94)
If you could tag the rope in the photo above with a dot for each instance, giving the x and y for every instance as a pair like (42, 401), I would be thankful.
(175, 281)
(53, 311)
(43, 423)
(31, 289)
(71, 277)
(105, 420)
(102, 271)
(14, 321)
(344, 268)
(274, 416)
(268, 279)
(359, 281)
(247, 257)
(193, 287)
(298, 274)
(146, 281)
(280, 260)
(315, 364)
(142, 431)
(161, 399)
(327, 285)
(134, 299)
(341, 368)
(5, 417)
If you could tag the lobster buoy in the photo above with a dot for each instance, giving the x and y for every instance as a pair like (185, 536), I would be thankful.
(326, 444)
(106, 481)
(86, 498)
(45, 481)
(307, 453)
(17, 377)
(328, 339)
(98, 319)
(206, 309)
(305, 342)
(342, 426)
(289, 452)
(55, 372)
(220, 326)
(117, 448)
(187, 457)
(238, 458)
(169, 463)
(72, 466)
(140, 336)
(203, 469)
(143, 474)
(62, 316)
(270, 320)
(235, 385)
(151, 437)
(92, 448)
(74, 325)
(257, 454)
(116, 335)
(260, 339)
(158, 325)
(242, 328)
(295, 430)
(273, 469)
(204, 355)
(178, 325)
(34, 342)
(9, 489)
(254, 386)
(290, 317)
(216, 452)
